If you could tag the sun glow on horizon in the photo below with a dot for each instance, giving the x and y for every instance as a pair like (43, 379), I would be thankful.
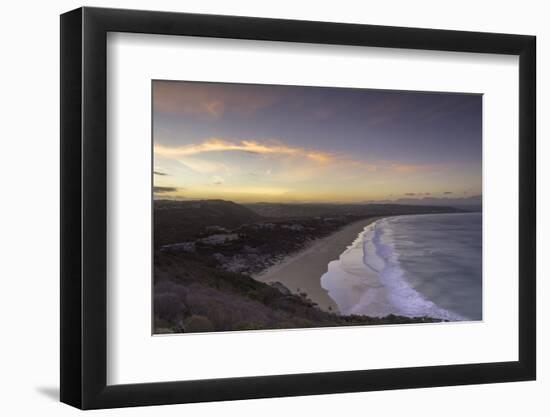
(294, 144)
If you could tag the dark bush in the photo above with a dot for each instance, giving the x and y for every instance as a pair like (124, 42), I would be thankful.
(160, 323)
(249, 325)
(164, 286)
(169, 306)
(197, 323)
(268, 295)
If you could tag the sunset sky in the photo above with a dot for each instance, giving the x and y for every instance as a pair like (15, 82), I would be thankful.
(251, 143)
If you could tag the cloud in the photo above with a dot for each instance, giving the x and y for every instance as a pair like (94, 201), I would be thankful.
(287, 163)
(251, 146)
(162, 190)
(202, 166)
(212, 100)
(159, 173)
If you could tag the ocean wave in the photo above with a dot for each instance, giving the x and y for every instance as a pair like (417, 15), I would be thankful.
(380, 256)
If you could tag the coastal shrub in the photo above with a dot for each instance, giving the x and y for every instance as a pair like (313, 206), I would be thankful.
(285, 303)
(160, 323)
(281, 288)
(168, 306)
(301, 322)
(161, 276)
(164, 286)
(286, 324)
(164, 330)
(268, 295)
(216, 278)
(221, 315)
(235, 281)
(197, 323)
(182, 291)
(224, 310)
(294, 323)
(249, 325)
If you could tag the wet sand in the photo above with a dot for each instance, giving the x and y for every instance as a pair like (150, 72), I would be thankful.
(302, 271)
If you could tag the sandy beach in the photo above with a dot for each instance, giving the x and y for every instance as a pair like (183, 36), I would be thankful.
(302, 271)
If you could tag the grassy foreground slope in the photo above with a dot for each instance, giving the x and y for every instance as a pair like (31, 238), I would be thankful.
(192, 296)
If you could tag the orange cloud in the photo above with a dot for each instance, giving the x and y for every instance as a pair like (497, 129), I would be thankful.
(293, 164)
(220, 145)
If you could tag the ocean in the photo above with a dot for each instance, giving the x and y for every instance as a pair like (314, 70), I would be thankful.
(417, 265)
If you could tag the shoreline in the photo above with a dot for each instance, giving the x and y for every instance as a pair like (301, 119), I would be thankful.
(302, 271)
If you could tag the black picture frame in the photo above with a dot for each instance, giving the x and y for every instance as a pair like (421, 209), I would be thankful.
(84, 207)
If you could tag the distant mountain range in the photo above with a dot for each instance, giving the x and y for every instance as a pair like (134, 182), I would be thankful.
(474, 201)
(356, 209)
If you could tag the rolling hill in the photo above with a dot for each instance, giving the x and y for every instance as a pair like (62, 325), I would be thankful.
(177, 221)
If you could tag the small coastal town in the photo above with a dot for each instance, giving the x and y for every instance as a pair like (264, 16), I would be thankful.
(251, 248)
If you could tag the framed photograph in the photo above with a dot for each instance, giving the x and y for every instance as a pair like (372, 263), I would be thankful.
(258, 208)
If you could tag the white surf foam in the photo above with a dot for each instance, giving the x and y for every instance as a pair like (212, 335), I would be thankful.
(379, 254)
